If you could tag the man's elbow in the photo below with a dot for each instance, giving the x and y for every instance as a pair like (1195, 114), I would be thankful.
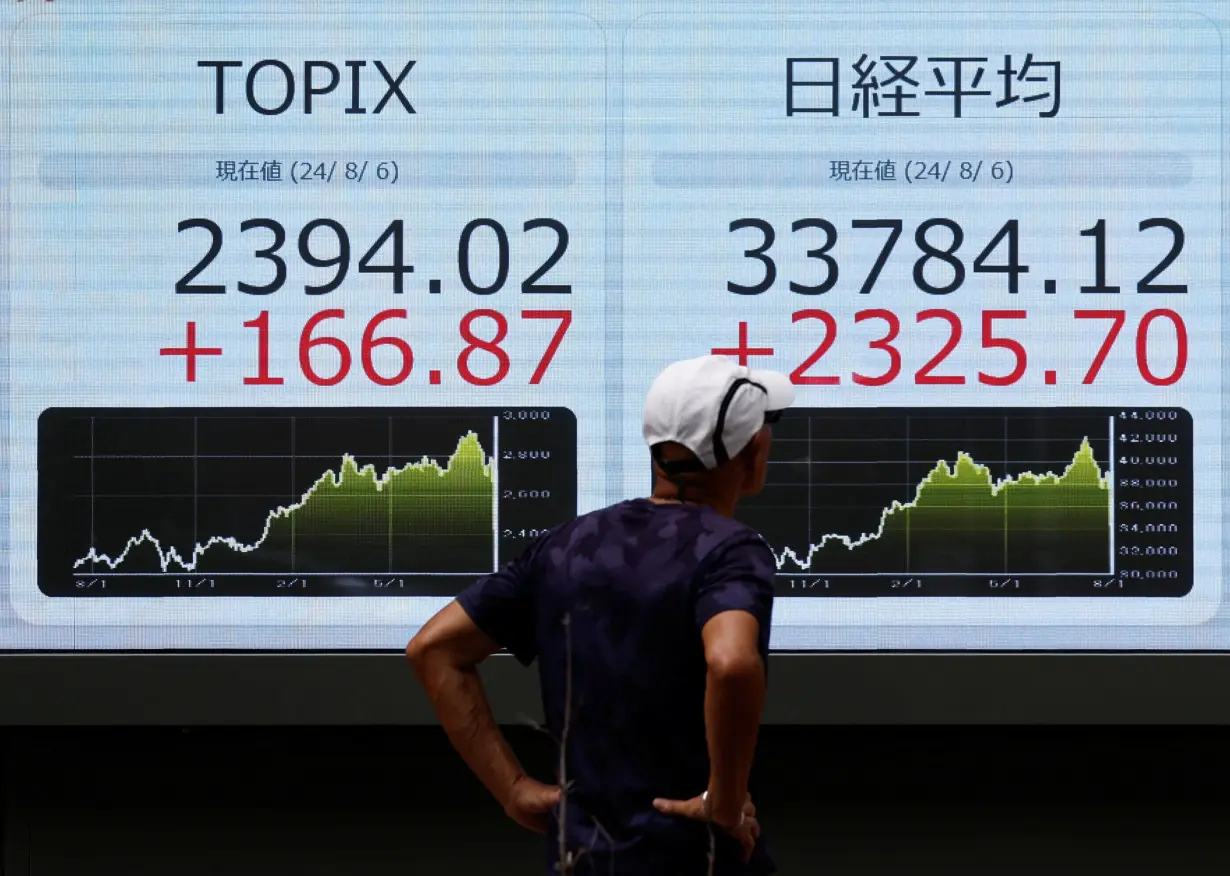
(735, 666)
(448, 642)
(416, 652)
(425, 652)
(430, 654)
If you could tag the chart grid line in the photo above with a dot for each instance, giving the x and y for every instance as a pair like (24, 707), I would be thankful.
(495, 493)
(1110, 509)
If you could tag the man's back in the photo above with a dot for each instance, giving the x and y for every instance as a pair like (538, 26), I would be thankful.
(612, 605)
(650, 620)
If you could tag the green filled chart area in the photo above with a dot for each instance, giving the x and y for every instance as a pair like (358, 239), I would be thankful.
(321, 502)
(976, 502)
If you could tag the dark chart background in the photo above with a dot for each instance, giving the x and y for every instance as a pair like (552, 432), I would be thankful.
(834, 472)
(188, 475)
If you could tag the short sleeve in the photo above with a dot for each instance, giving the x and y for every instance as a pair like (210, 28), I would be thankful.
(502, 605)
(738, 576)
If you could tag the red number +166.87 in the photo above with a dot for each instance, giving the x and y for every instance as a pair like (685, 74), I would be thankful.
(481, 341)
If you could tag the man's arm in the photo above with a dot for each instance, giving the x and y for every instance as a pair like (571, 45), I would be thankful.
(734, 701)
(734, 608)
(496, 611)
(445, 655)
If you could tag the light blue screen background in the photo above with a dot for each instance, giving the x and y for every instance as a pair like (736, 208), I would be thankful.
(646, 128)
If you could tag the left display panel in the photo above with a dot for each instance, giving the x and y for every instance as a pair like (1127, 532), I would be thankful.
(300, 308)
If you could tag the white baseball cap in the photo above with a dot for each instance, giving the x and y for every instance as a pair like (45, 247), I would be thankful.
(713, 407)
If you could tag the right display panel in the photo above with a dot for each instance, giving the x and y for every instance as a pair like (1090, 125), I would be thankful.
(988, 251)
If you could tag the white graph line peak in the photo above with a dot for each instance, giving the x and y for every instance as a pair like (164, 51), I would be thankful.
(939, 473)
(349, 467)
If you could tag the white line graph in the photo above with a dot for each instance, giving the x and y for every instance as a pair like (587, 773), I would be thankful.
(935, 478)
(348, 468)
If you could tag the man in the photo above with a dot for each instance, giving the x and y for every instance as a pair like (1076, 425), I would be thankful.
(650, 623)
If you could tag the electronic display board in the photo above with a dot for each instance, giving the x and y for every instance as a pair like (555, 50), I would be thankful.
(314, 315)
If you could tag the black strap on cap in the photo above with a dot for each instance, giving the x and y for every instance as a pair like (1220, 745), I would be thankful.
(720, 456)
(675, 466)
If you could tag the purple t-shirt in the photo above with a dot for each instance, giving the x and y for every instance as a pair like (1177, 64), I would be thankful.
(636, 582)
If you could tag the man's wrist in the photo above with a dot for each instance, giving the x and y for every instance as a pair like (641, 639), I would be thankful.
(716, 817)
(505, 797)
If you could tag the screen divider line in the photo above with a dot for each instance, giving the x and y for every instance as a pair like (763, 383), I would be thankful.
(495, 492)
(93, 498)
(389, 500)
(1110, 499)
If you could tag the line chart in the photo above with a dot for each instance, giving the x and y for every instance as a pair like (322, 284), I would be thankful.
(970, 487)
(1044, 502)
(463, 490)
(317, 502)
